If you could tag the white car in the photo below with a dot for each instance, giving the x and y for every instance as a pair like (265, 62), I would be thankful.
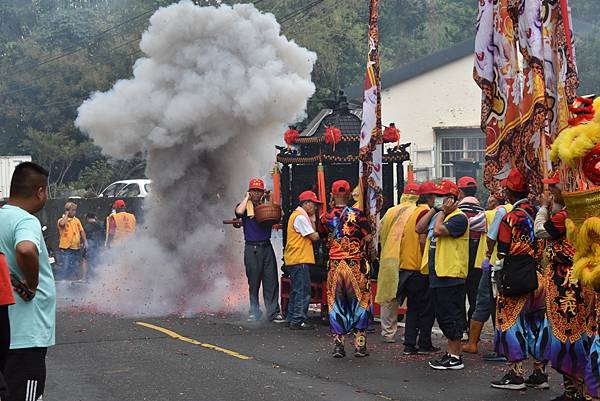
(139, 188)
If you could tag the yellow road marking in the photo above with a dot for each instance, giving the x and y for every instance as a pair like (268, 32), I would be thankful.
(176, 336)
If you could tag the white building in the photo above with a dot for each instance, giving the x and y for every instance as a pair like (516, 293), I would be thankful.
(436, 104)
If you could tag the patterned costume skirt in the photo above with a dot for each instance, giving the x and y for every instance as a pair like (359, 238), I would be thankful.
(348, 296)
(570, 314)
(592, 367)
(520, 322)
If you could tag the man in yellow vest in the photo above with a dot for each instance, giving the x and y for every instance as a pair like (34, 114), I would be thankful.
(420, 313)
(299, 256)
(392, 225)
(447, 260)
(120, 224)
(71, 238)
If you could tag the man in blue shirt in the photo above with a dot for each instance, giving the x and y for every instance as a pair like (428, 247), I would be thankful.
(259, 257)
(33, 315)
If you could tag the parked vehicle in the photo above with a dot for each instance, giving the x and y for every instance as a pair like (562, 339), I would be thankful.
(139, 188)
(7, 167)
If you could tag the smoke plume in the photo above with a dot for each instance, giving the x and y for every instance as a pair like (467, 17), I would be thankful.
(211, 97)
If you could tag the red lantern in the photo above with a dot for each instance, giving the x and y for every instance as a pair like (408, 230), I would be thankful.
(290, 137)
(333, 136)
(391, 134)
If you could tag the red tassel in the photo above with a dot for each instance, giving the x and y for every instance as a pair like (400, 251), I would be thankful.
(290, 136)
(333, 136)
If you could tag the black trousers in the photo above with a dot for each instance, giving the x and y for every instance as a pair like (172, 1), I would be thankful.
(420, 311)
(25, 374)
(4, 347)
(261, 268)
(472, 286)
(448, 302)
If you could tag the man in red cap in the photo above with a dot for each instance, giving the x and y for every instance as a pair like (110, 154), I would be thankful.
(392, 226)
(521, 298)
(259, 257)
(570, 305)
(299, 256)
(413, 283)
(348, 296)
(470, 206)
(120, 225)
(446, 258)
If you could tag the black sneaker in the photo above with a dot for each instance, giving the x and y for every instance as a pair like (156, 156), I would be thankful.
(538, 380)
(338, 351)
(361, 352)
(410, 350)
(429, 350)
(510, 381)
(447, 362)
(302, 326)
(278, 318)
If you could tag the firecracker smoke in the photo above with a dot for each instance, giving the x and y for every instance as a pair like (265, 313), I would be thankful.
(211, 97)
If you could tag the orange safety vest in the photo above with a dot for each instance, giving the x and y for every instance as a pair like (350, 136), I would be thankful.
(125, 225)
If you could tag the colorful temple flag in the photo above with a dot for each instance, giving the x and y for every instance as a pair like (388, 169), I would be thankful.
(371, 139)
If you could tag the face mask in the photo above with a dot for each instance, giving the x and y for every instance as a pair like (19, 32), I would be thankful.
(439, 201)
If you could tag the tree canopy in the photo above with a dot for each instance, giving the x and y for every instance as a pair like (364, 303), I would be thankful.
(54, 53)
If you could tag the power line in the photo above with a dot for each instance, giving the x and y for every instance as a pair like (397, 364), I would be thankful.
(69, 50)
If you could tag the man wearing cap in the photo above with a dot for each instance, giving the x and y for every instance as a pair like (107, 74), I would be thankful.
(519, 317)
(348, 295)
(71, 238)
(485, 305)
(414, 283)
(470, 206)
(447, 257)
(259, 257)
(569, 304)
(120, 225)
(299, 256)
(392, 226)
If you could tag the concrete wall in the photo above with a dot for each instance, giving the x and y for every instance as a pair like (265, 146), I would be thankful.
(444, 97)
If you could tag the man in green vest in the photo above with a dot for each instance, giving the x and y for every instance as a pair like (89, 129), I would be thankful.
(447, 260)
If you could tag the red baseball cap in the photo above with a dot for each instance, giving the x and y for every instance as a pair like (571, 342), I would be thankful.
(309, 196)
(340, 187)
(119, 204)
(411, 189)
(256, 183)
(426, 188)
(515, 181)
(553, 178)
(466, 182)
(446, 187)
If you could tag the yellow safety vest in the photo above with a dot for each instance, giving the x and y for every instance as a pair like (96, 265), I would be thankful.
(451, 254)
(298, 249)
(410, 249)
(481, 250)
(125, 225)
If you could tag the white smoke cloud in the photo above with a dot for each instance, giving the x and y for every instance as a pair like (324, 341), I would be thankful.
(211, 97)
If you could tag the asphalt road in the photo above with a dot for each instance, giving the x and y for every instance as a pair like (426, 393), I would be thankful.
(101, 357)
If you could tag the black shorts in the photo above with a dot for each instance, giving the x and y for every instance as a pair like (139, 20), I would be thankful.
(25, 374)
(449, 310)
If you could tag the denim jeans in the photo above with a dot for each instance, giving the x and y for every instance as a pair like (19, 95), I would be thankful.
(486, 304)
(300, 294)
(70, 264)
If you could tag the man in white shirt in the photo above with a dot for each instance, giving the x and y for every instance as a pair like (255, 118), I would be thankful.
(299, 256)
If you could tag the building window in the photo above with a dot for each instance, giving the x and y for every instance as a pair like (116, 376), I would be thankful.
(458, 144)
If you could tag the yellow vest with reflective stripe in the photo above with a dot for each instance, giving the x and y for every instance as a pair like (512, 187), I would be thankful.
(451, 254)
(298, 249)
(410, 249)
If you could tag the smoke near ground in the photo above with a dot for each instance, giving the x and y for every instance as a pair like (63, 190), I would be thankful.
(211, 97)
